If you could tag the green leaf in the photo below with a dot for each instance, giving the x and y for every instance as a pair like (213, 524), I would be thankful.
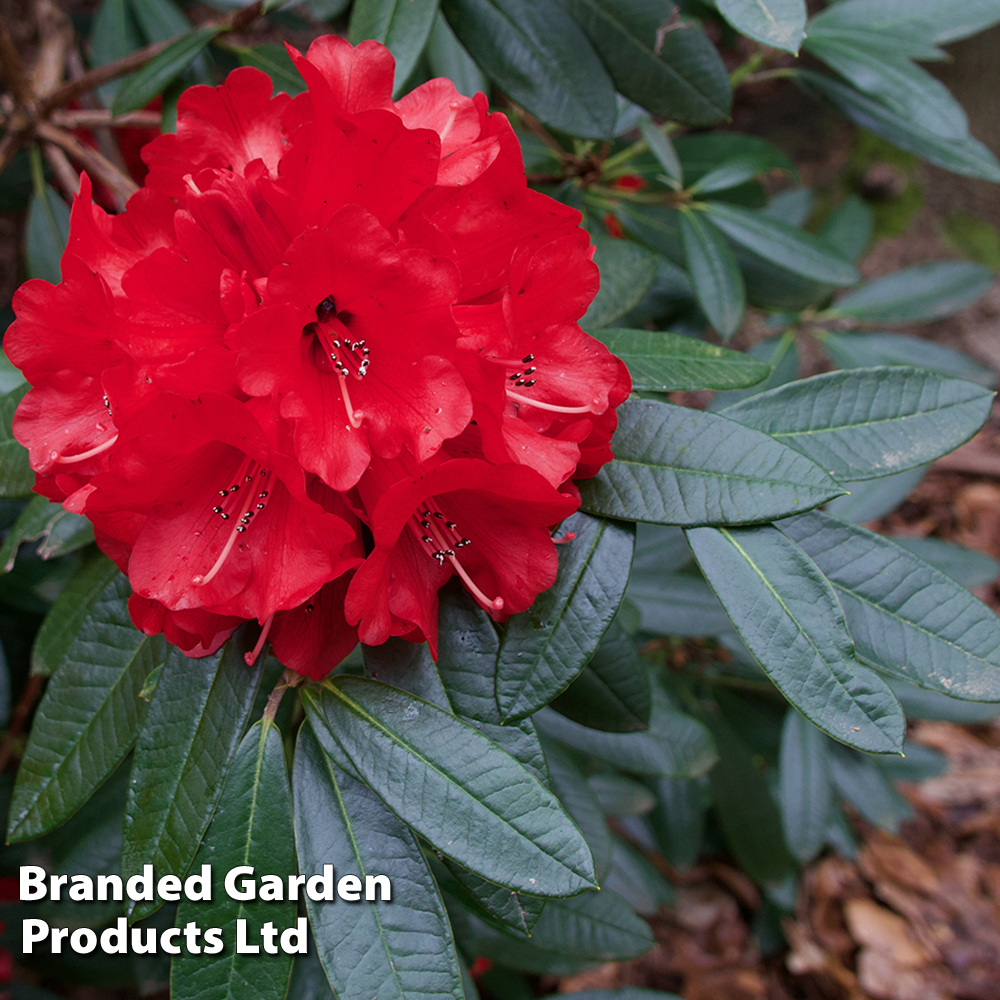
(781, 353)
(68, 613)
(661, 146)
(849, 227)
(638, 881)
(402, 26)
(252, 826)
(675, 465)
(544, 648)
(539, 57)
(917, 294)
(58, 530)
(515, 909)
(183, 754)
(715, 275)
(579, 800)
(869, 422)
(969, 567)
(621, 796)
(664, 362)
(447, 57)
(792, 249)
(907, 618)
(778, 23)
(701, 152)
(676, 75)
(860, 782)
(403, 949)
(627, 271)
(730, 174)
(968, 157)
(789, 617)
(899, 84)
(16, 477)
(276, 62)
(459, 790)
(746, 811)
(612, 691)
(676, 604)
(865, 350)
(90, 714)
(467, 661)
(679, 819)
(408, 666)
(161, 71)
(675, 745)
(875, 498)
(46, 234)
(804, 780)
(938, 21)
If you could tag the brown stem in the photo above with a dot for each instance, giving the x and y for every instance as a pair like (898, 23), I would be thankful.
(91, 160)
(236, 21)
(13, 68)
(19, 718)
(55, 34)
(100, 118)
(68, 178)
(289, 679)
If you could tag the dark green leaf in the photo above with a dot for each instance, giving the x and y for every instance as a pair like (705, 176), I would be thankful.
(793, 206)
(861, 783)
(679, 819)
(778, 23)
(675, 465)
(730, 174)
(746, 811)
(621, 796)
(965, 156)
(789, 617)
(661, 146)
(675, 745)
(182, 757)
(16, 477)
(676, 604)
(252, 826)
(938, 21)
(402, 26)
(715, 275)
(969, 567)
(46, 234)
(869, 422)
(678, 75)
(58, 531)
(664, 362)
(638, 881)
(578, 799)
(90, 714)
(402, 949)
(161, 71)
(545, 647)
(864, 350)
(919, 703)
(275, 61)
(408, 666)
(447, 57)
(459, 790)
(515, 909)
(627, 271)
(792, 249)
(702, 152)
(68, 613)
(871, 500)
(806, 793)
(540, 58)
(781, 353)
(907, 618)
(896, 82)
(612, 690)
(917, 294)
(467, 659)
(848, 228)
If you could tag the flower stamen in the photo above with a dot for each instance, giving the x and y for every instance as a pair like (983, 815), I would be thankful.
(251, 658)
(552, 407)
(83, 456)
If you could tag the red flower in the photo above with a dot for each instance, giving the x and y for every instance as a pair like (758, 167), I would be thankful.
(324, 320)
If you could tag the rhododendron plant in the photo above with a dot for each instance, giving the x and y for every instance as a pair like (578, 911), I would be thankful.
(326, 359)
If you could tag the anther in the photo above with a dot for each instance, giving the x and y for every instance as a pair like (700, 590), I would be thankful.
(527, 358)
(515, 376)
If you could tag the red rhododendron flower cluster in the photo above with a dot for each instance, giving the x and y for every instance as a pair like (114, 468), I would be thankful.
(326, 359)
